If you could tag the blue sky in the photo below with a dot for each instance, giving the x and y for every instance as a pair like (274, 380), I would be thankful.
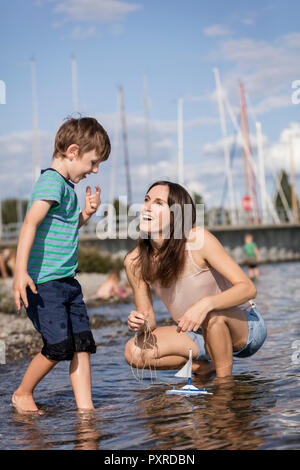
(177, 44)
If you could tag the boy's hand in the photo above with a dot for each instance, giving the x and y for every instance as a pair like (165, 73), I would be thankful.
(92, 201)
(20, 283)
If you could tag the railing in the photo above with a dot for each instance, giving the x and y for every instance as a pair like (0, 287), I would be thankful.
(124, 227)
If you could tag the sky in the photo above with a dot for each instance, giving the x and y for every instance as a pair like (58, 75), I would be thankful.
(176, 45)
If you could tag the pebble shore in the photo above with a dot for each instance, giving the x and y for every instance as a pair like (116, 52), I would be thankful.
(16, 330)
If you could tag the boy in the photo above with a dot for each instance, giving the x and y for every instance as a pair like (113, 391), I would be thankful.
(47, 261)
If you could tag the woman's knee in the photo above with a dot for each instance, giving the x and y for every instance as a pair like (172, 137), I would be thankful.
(213, 320)
(136, 355)
(129, 351)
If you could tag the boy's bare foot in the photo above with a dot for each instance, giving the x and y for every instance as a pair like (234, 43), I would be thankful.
(24, 403)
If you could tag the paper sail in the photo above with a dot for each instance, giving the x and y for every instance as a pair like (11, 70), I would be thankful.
(189, 389)
(186, 371)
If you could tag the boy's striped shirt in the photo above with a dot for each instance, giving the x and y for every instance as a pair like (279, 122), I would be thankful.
(54, 251)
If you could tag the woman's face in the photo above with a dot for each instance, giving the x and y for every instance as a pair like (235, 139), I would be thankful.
(155, 211)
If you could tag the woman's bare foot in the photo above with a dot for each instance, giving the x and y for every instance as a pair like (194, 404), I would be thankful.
(24, 403)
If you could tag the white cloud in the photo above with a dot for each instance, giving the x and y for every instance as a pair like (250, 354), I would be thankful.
(216, 30)
(267, 69)
(16, 152)
(270, 103)
(102, 11)
(292, 40)
(80, 33)
(278, 153)
(248, 21)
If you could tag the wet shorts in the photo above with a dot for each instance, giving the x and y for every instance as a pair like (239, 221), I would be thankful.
(59, 314)
(256, 336)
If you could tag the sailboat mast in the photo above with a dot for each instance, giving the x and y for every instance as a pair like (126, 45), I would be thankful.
(245, 131)
(180, 171)
(115, 149)
(74, 85)
(147, 128)
(261, 164)
(293, 181)
(125, 144)
(225, 145)
(36, 143)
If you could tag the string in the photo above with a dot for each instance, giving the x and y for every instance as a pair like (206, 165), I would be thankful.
(148, 340)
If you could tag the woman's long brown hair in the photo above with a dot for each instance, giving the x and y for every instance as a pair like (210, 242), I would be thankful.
(170, 262)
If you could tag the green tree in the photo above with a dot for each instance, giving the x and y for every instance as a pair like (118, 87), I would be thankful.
(287, 190)
(10, 210)
(198, 199)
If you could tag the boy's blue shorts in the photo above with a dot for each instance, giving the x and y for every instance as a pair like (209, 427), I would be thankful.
(59, 314)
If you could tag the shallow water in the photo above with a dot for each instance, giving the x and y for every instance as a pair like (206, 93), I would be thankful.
(258, 409)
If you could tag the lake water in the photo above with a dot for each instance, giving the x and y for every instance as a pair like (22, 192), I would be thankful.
(258, 409)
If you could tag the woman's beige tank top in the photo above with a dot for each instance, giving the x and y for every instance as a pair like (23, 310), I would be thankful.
(194, 284)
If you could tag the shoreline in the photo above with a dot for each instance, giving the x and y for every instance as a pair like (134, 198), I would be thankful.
(17, 331)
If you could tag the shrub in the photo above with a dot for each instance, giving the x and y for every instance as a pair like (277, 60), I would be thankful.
(7, 303)
(91, 260)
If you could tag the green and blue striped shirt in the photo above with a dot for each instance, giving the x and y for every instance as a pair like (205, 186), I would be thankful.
(54, 251)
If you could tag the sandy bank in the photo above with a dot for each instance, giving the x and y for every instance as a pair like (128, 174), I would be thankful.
(17, 331)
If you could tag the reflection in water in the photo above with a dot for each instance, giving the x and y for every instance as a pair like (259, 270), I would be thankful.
(87, 434)
(259, 408)
(225, 419)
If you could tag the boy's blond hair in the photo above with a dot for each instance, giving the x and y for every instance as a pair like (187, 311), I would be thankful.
(87, 133)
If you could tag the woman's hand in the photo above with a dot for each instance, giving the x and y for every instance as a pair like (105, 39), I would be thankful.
(137, 320)
(195, 315)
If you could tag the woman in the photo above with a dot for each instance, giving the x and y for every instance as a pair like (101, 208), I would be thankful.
(203, 288)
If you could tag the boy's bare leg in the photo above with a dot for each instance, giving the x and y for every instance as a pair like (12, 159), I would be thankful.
(80, 376)
(251, 273)
(22, 398)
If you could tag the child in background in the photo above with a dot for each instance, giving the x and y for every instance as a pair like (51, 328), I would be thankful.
(47, 261)
(252, 255)
(111, 288)
(3, 270)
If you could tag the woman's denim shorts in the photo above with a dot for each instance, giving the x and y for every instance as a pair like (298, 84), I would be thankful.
(256, 337)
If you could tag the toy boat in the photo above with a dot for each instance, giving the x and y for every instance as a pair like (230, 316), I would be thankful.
(189, 389)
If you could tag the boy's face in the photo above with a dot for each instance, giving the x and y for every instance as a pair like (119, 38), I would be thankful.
(80, 166)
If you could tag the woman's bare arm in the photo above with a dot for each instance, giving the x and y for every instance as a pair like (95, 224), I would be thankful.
(141, 292)
(212, 253)
(216, 256)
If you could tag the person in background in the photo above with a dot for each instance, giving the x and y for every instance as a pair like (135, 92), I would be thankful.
(3, 271)
(252, 256)
(111, 288)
